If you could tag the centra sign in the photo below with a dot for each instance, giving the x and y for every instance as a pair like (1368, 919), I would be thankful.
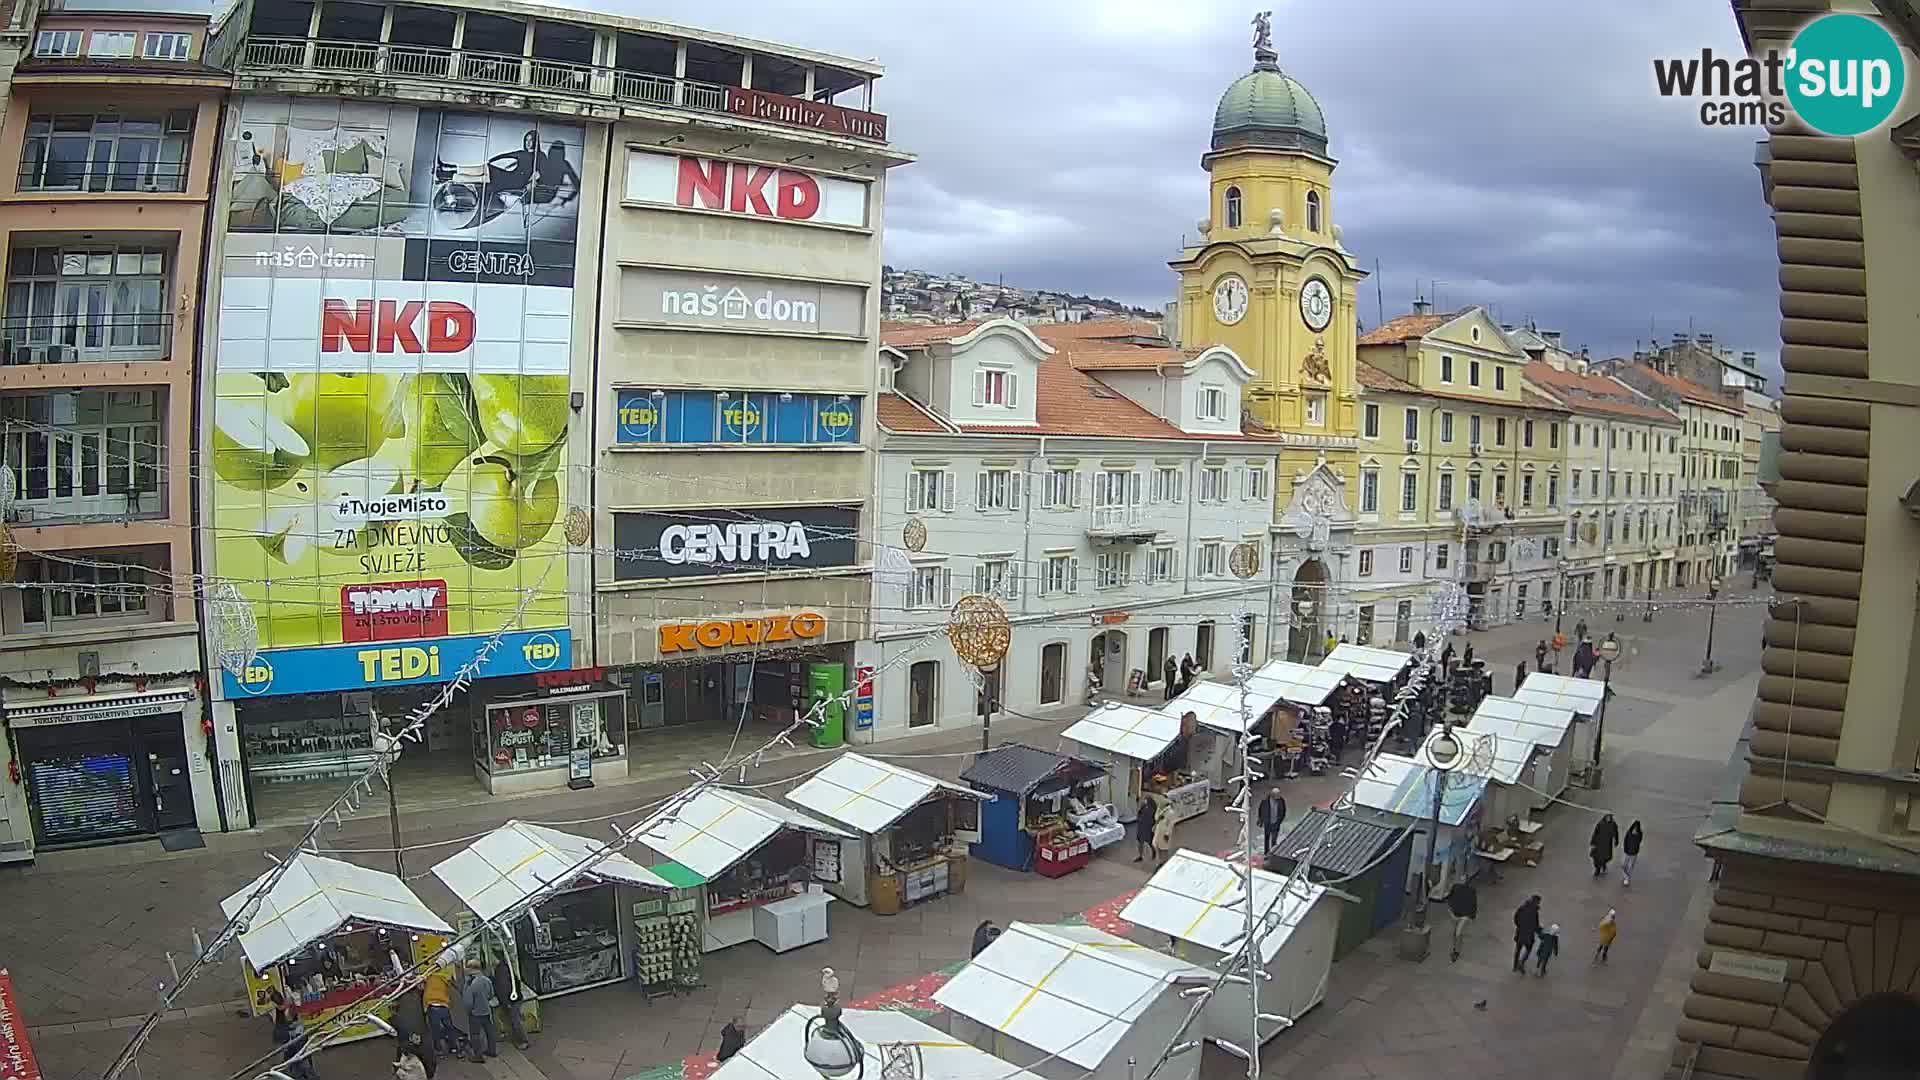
(751, 541)
(729, 633)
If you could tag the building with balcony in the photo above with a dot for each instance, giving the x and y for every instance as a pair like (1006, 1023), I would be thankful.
(520, 311)
(1710, 448)
(1096, 483)
(1758, 427)
(1806, 962)
(1462, 470)
(1623, 468)
(106, 159)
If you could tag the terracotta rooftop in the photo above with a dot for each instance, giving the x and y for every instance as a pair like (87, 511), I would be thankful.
(902, 414)
(1054, 332)
(1099, 355)
(908, 335)
(1684, 388)
(1401, 327)
(1374, 379)
(1595, 394)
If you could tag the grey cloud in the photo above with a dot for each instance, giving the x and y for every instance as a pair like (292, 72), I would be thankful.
(1515, 150)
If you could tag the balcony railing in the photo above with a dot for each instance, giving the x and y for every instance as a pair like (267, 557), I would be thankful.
(141, 176)
(1116, 518)
(79, 339)
(271, 55)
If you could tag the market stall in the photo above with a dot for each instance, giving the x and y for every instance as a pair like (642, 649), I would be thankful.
(1366, 663)
(1188, 900)
(327, 933)
(910, 830)
(1275, 695)
(577, 938)
(1137, 745)
(1073, 1002)
(778, 1050)
(760, 867)
(1367, 858)
(1398, 791)
(1026, 826)
(1581, 696)
(1547, 726)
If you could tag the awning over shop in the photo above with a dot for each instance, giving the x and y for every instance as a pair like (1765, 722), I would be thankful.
(718, 828)
(1188, 898)
(1562, 692)
(1398, 785)
(317, 896)
(517, 859)
(867, 794)
(1364, 662)
(1070, 991)
(1129, 730)
(778, 1051)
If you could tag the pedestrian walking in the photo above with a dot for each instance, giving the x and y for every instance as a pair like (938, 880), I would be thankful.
(1540, 655)
(477, 996)
(1143, 831)
(733, 1036)
(1606, 834)
(442, 1035)
(1609, 929)
(1337, 737)
(1331, 642)
(1549, 945)
(1580, 630)
(290, 1036)
(1526, 929)
(507, 989)
(1464, 904)
(1630, 852)
(984, 934)
(1273, 811)
(1162, 832)
(1187, 670)
(1170, 673)
(1466, 657)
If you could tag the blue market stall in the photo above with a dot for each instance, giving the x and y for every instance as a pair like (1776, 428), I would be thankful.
(1026, 825)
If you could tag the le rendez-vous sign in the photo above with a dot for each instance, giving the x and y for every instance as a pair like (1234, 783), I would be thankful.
(797, 112)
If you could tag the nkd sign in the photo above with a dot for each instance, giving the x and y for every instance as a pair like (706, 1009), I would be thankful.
(659, 297)
(745, 188)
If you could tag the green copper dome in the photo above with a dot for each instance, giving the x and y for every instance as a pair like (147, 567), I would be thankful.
(1267, 108)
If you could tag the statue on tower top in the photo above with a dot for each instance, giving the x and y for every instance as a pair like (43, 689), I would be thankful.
(1263, 36)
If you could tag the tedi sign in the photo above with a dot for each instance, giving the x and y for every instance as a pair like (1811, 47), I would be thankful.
(716, 541)
(747, 188)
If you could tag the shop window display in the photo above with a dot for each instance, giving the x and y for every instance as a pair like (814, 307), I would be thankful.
(571, 941)
(541, 734)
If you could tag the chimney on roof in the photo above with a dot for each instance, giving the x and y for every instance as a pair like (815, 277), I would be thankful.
(1750, 358)
(1706, 342)
(1552, 337)
(1679, 340)
(1422, 307)
(1584, 363)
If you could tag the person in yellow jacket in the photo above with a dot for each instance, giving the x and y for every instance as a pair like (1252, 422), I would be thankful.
(1609, 929)
(437, 991)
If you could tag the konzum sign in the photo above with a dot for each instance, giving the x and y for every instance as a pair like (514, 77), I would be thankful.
(746, 188)
(733, 633)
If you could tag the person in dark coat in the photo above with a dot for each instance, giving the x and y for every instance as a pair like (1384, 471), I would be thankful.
(290, 1036)
(1170, 673)
(410, 1023)
(983, 936)
(508, 993)
(1466, 658)
(1519, 675)
(1187, 670)
(1143, 829)
(732, 1037)
(1526, 929)
(1463, 903)
(1630, 852)
(1540, 655)
(1273, 811)
(1600, 845)
(1337, 737)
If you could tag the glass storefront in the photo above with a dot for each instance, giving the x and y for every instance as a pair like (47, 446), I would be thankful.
(543, 733)
(773, 692)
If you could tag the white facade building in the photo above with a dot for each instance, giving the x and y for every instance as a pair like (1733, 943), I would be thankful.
(1097, 488)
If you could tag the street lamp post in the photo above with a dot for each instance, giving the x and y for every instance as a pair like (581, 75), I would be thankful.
(1708, 666)
(1443, 753)
(1609, 651)
(1560, 593)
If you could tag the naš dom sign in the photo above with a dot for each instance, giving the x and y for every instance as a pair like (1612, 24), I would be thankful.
(731, 633)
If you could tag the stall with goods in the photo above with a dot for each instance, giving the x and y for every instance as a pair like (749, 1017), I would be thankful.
(1145, 752)
(1026, 825)
(910, 830)
(1398, 791)
(1275, 697)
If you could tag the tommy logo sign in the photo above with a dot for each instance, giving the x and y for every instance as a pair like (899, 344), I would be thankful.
(394, 611)
(388, 326)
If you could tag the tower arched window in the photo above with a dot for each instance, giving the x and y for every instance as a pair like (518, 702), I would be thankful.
(1313, 211)
(1233, 208)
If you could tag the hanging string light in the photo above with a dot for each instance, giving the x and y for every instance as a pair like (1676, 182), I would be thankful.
(233, 632)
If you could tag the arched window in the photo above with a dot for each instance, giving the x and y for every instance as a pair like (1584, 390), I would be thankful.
(1313, 211)
(1233, 208)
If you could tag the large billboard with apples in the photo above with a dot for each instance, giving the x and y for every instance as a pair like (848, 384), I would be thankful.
(389, 427)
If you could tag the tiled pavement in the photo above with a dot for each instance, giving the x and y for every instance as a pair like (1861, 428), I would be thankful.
(1383, 1017)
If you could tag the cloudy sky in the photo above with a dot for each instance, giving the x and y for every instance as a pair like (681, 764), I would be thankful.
(1512, 150)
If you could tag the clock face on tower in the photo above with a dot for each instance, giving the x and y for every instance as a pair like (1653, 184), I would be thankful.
(1230, 300)
(1316, 304)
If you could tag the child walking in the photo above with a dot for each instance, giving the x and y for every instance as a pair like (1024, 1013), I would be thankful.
(1609, 929)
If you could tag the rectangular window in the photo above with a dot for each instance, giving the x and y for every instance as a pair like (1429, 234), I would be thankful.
(1593, 484)
(1500, 489)
(55, 44)
(1613, 484)
(1613, 439)
(1526, 434)
(997, 577)
(1160, 565)
(996, 387)
(1370, 421)
(1553, 436)
(1114, 569)
(1553, 490)
(1526, 489)
(1412, 424)
(1370, 491)
(1363, 631)
(1061, 574)
(167, 46)
(928, 490)
(997, 489)
(1169, 484)
(103, 588)
(1366, 562)
(1446, 491)
(1629, 491)
(1473, 373)
(1499, 431)
(1473, 429)
(84, 453)
(106, 152)
(931, 587)
(111, 44)
(1550, 547)
(1316, 409)
(1063, 488)
(1406, 560)
(1576, 434)
(1213, 484)
(1213, 403)
(66, 304)
(1576, 477)
(1441, 553)
(1409, 492)
(1210, 559)
(1446, 368)
(1499, 376)
(1256, 483)
(1473, 485)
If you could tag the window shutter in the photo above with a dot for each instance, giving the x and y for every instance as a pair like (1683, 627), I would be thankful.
(979, 577)
(914, 490)
(1136, 482)
(979, 387)
(1013, 389)
(1016, 488)
(946, 490)
(1173, 565)
(1073, 575)
(1076, 489)
(1013, 579)
(981, 492)
(946, 586)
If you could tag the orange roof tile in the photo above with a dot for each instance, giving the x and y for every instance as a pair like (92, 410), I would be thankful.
(1103, 355)
(1401, 327)
(1588, 393)
(897, 412)
(909, 335)
(1374, 379)
(1687, 389)
(1055, 332)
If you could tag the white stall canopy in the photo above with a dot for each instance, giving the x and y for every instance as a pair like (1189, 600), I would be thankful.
(1127, 730)
(318, 896)
(1070, 991)
(1399, 785)
(1506, 756)
(778, 1051)
(1217, 704)
(1298, 683)
(1545, 725)
(1364, 662)
(519, 858)
(1188, 898)
(1562, 692)
(717, 828)
(869, 795)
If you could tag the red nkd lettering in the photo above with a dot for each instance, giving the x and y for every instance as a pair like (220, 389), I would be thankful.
(391, 326)
(798, 197)
(740, 188)
(749, 194)
(702, 184)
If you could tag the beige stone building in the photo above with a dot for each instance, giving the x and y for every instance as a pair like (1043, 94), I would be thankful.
(1809, 959)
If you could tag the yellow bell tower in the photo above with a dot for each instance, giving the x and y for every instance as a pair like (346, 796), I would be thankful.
(1269, 277)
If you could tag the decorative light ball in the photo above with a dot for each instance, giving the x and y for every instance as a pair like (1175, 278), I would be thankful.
(232, 630)
(979, 630)
(913, 536)
(579, 526)
(1244, 561)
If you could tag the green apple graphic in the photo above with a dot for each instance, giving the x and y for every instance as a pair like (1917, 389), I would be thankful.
(342, 417)
(438, 412)
(521, 414)
(253, 448)
(501, 508)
